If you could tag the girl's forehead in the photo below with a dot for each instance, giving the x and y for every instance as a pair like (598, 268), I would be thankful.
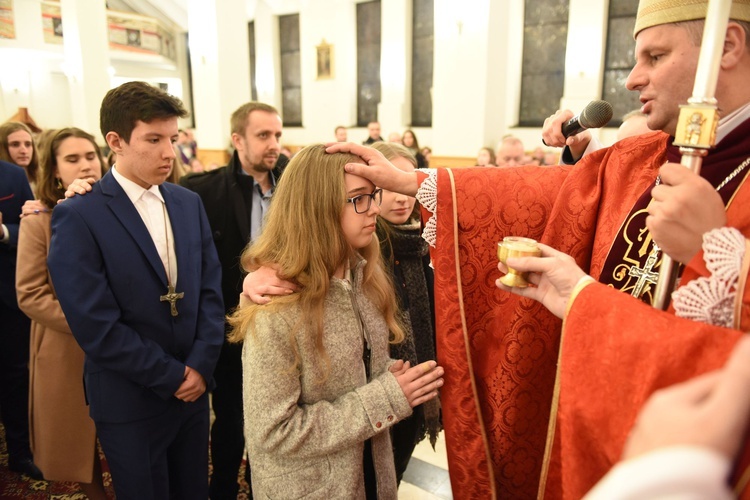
(355, 182)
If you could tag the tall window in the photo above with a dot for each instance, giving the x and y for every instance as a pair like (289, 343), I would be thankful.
(251, 41)
(422, 48)
(620, 58)
(545, 37)
(291, 79)
(368, 62)
(190, 80)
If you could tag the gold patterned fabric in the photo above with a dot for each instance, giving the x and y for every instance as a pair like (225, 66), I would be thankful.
(656, 12)
(631, 266)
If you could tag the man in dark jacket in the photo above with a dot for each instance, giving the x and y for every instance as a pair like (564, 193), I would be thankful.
(14, 325)
(236, 198)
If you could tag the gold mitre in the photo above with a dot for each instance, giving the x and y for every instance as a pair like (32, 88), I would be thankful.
(656, 12)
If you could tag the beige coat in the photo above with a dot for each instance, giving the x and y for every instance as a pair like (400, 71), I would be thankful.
(62, 435)
(305, 439)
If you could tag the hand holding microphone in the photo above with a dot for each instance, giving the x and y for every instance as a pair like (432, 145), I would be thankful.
(565, 129)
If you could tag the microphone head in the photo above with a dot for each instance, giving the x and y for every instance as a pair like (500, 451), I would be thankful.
(596, 114)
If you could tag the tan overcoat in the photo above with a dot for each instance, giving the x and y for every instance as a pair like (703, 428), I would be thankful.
(62, 435)
(306, 436)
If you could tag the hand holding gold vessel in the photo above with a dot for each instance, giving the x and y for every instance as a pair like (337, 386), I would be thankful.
(552, 274)
(512, 247)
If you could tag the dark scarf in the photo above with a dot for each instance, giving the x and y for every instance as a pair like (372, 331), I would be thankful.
(404, 248)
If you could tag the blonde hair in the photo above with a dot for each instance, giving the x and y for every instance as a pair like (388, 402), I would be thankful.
(178, 167)
(303, 238)
(392, 150)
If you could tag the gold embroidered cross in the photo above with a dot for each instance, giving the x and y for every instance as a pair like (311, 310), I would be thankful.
(646, 275)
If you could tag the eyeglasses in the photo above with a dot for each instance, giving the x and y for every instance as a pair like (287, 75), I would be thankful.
(363, 201)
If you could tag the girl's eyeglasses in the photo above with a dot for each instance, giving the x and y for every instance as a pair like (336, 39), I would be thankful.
(363, 202)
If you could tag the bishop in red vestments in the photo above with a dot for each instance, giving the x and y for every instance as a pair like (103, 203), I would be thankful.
(534, 406)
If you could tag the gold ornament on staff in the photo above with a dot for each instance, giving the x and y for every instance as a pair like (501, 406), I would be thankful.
(516, 246)
(696, 126)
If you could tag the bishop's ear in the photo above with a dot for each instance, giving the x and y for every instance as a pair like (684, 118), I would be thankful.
(735, 47)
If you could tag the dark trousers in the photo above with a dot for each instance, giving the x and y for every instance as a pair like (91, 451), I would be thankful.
(227, 431)
(161, 457)
(14, 380)
(404, 439)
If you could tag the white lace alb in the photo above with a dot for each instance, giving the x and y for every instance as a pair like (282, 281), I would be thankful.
(427, 197)
(711, 299)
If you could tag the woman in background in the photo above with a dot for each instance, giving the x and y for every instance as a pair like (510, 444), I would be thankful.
(17, 146)
(62, 435)
(486, 158)
(410, 141)
(319, 386)
(406, 256)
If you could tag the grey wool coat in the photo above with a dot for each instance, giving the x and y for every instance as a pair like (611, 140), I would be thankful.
(305, 437)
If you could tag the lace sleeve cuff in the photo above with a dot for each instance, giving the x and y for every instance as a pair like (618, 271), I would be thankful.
(427, 197)
(711, 299)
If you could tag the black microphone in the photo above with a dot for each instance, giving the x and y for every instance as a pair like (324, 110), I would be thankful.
(596, 114)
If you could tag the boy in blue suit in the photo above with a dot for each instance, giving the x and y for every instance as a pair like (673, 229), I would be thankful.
(136, 272)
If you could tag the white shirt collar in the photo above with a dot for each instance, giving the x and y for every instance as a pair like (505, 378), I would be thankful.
(133, 190)
(732, 121)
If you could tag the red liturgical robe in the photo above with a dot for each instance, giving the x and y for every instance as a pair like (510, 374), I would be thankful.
(500, 351)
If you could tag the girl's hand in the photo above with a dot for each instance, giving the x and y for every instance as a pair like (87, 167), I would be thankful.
(33, 207)
(421, 383)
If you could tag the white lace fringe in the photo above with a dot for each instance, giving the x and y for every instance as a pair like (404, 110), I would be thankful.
(427, 197)
(711, 300)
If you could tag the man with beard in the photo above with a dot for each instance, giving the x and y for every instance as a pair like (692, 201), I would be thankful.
(236, 198)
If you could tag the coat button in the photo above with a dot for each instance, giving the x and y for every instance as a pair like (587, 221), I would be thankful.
(390, 418)
(379, 425)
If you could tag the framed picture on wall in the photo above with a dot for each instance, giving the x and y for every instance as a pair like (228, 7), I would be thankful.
(325, 61)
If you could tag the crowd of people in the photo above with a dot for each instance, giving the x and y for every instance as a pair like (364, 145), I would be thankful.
(340, 304)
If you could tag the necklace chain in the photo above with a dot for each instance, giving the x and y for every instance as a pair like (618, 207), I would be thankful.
(734, 173)
(166, 238)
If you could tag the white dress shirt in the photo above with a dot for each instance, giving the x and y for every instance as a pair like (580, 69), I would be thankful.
(152, 209)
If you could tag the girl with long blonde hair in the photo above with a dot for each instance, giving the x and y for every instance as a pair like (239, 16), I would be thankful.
(319, 388)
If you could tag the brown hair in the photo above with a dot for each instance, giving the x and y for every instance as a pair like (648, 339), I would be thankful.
(415, 146)
(131, 102)
(32, 171)
(48, 188)
(238, 122)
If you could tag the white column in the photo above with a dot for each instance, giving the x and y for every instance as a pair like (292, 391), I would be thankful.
(469, 75)
(328, 102)
(394, 111)
(220, 61)
(584, 54)
(267, 59)
(584, 57)
(86, 47)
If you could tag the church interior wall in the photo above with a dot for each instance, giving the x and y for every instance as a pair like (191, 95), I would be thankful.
(476, 81)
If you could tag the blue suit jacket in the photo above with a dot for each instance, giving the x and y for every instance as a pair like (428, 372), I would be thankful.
(14, 191)
(108, 277)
